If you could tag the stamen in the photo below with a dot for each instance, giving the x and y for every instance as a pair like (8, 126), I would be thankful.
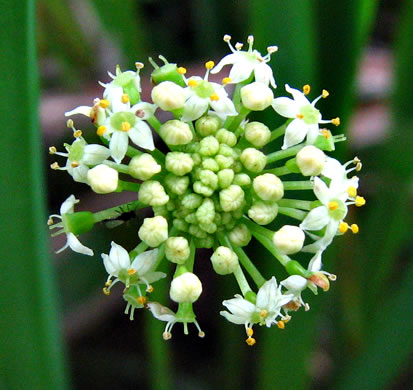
(214, 97)
(226, 80)
(354, 228)
(192, 83)
(69, 123)
(167, 335)
(300, 116)
(104, 103)
(332, 277)
(140, 113)
(50, 221)
(360, 201)
(250, 40)
(55, 166)
(264, 313)
(325, 93)
(325, 133)
(250, 332)
(142, 300)
(286, 319)
(227, 38)
(250, 341)
(74, 164)
(209, 65)
(306, 89)
(306, 307)
(149, 289)
(238, 46)
(336, 121)
(201, 334)
(272, 49)
(139, 65)
(77, 133)
(101, 130)
(131, 271)
(333, 205)
(181, 70)
(343, 227)
(106, 291)
(281, 324)
(125, 126)
(52, 150)
(125, 98)
(108, 283)
(352, 191)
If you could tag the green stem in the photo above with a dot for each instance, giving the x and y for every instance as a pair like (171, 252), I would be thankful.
(293, 213)
(280, 171)
(281, 154)
(233, 126)
(295, 203)
(155, 123)
(122, 168)
(279, 131)
(128, 186)
(140, 248)
(116, 211)
(242, 281)
(158, 156)
(298, 185)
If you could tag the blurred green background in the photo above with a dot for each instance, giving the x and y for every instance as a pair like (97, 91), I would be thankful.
(57, 331)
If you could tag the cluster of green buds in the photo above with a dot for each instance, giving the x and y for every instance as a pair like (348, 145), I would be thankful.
(215, 187)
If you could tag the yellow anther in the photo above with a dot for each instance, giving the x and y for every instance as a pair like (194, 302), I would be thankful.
(149, 289)
(142, 300)
(300, 116)
(250, 39)
(201, 334)
(333, 205)
(238, 46)
(101, 130)
(131, 271)
(250, 332)
(325, 133)
(77, 133)
(209, 65)
(356, 160)
(264, 313)
(286, 319)
(106, 291)
(360, 201)
(226, 80)
(352, 191)
(214, 97)
(354, 228)
(343, 227)
(55, 166)
(332, 277)
(306, 307)
(324, 94)
(69, 123)
(359, 165)
(52, 150)
(139, 65)
(281, 324)
(108, 283)
(125, 98)
(125, 126)
(227, 38)
(250, 341)
(104, 103)
(166, 335)
(74, 164)
(306, 89)
(181, 70)
(292, 305)
(336, 121)
(50, 221)
(272, 49)
(192, 83)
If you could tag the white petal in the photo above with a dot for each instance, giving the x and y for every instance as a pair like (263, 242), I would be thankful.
(76, 246)
(84, 110)
(152, 277)
(114, 95)
(263, 74)
(145, 261)
(267, 294)
(224, 107)
(286, 107)
(109, 266)
(333, 168)
(321, 191)
(79, 173)
(298, 96)
(161, 312)
(147, 108)
(118, 145)
(294, 283)
(194, 108)
(313, 133)
(315, 263)
(294, 133)
(141, 135)
(119, 257)
(234, 319)
(68, 205)
(227, 60)
(95, 154)
(240, 307)
(241, 71)
(316, 219)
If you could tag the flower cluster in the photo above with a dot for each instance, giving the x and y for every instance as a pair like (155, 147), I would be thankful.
(215, 187)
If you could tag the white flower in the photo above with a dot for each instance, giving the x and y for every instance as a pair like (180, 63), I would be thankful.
(295, 285)
(304, 114)
(202, 94)
(118, 265)
(245, 62)
(264, 312)
(337, 172)
(66, 209)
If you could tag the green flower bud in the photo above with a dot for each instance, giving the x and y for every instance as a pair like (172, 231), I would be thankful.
(254, 160)
(240, 235)
(177, 249)
(268, 187)
(231, 198)
(226, 137)
(224, 261)
(257, 134)
(310, 160)
(256, 96)
(211, 164)
(209, 178)
(210, 228)
(196, 158)
(192, 201)
(230, 225)
(206, 212)
(292, 166)
(152, 193)
(202, 189)
(263, 212)
(227, 151)
(79, 223)
(224, 162)
(238, 213)
(242, 179)
(154, 231)
(175, 132)
(185, 288)
(177, 184)
(167, 72)
(226, 218)
(168, 96)
(206, 242)
(325, 141)
(143, 167)
(207, 125)
(179, 163)
(196, 231)
(191, 218)
(160, 211)
(237, 167)
(180, 224)
(208, 146)
(225, 178)
(171, 206)
(103, 179)
(289, 239)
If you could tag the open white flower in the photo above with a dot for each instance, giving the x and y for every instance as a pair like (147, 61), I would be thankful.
(306, 117)
(67, 226)
(140, 271)
(202, 94)
(245, 62)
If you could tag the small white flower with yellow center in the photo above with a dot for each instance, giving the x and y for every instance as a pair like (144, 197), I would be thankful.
(69, 226)
(264, 312)
(245, 62)
(306, 117)
(202, 94)
(140, 271)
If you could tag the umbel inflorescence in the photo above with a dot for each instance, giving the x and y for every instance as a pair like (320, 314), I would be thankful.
(214, 188)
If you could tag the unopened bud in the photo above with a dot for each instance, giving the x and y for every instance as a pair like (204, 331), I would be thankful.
(211, 164)
(152, 193)
(209, 178)
(208, 146)
(143, 167)
(226, 137)
(207, 125)
(242, 179)
(103, 179)
(177, 184)
(224, 261)
(206, 212)
(175, 132)
(179, 163)
(168, 96)
(257, 134)
(263, 212)
(177, 249)
(231, 198)
(289, 239)
(310, 160)
(240, 235)
(192, 201)
(225, 178)
(268, 187)
(256, 96)
(254, 160)
(154, 231)
(185, 288)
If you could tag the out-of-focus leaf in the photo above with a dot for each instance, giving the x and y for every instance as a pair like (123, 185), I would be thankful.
(31, 350)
